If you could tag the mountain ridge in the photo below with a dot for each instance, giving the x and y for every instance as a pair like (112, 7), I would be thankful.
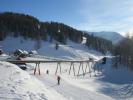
(115, 37)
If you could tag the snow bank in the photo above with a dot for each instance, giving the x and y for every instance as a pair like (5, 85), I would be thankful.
(117, 83)
(16, 84)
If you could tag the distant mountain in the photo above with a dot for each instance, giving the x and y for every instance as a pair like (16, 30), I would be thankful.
(112, 36)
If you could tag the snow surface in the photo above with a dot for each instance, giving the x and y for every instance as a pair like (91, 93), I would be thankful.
(16, 84)
(108, 84)
(69, 51)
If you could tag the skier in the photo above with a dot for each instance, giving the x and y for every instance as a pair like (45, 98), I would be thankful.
(47, 71)
(58, 79)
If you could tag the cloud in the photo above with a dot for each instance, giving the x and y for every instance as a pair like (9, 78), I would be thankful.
(109, 15)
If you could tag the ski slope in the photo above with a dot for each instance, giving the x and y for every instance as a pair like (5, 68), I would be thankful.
(71, 91)
(108, 84)
(16, 84)
(69, 51)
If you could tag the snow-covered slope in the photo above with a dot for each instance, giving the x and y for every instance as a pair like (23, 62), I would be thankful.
(16, 84)
(10, 44)
(69, 51)
(112, 36)
(107, 84)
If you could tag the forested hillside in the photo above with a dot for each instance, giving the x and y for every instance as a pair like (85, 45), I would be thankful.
(124, 53)
(100, 44)
(15, 25)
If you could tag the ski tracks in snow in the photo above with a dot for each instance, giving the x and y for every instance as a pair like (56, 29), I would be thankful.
(70, 91)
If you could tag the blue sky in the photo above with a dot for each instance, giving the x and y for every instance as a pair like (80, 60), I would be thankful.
(91, 15)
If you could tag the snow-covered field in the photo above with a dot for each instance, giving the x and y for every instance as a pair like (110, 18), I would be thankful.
(108, 84)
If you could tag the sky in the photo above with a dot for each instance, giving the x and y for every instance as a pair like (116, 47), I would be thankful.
(89, 15)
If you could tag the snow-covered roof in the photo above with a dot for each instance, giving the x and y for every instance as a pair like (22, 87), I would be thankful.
(25, 52)
(34, 52)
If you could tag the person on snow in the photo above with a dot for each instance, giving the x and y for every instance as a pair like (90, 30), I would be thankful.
(47, 71)
(58, 80)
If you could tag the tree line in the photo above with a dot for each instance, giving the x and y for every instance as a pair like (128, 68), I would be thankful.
(123, 53)
(15, 24)
(99, 44)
